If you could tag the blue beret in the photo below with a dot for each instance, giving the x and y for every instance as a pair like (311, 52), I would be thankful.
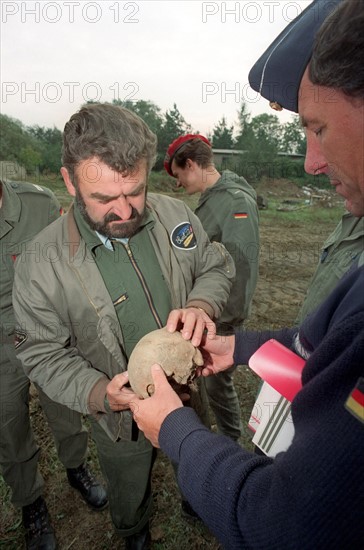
(278, 72)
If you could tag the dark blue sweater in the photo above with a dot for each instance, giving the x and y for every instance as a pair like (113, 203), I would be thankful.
(312, 495)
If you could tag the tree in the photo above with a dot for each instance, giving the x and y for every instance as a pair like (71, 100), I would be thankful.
(267, 131)
(13, 138)
(245, 135)
(293, 138)
(222, 135)
(260, 139)
(50, 147)
(173, 127)
(30, 159)
(16, 144)
(147, 110)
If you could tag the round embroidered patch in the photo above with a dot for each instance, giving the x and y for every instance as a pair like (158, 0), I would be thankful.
(183, 237)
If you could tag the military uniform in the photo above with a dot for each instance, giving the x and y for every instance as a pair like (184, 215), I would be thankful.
(88, 309)
(229, 214)
(25, 210)
(341, 250)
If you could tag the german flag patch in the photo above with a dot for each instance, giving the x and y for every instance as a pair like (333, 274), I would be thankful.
(240, 215)
(355, 402)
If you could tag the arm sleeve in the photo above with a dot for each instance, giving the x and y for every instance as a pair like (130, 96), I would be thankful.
(45, 344)
(214, 270)
(240, 235)
(248, 342)
(310, 496)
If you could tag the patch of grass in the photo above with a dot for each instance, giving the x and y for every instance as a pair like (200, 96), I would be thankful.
(312, 214)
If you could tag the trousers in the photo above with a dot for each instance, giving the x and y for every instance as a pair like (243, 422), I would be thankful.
(19, 452)
(126, 467)
(224, 402)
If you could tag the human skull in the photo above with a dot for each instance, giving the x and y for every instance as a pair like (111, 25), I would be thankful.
(177, 357)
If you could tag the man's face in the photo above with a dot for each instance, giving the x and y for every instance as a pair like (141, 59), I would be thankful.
(334, 126)
(190, 177)
(111, 203)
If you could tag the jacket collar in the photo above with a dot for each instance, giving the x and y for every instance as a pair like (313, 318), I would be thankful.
(74, 233)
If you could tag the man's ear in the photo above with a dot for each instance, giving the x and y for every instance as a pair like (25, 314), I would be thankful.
(190, 164)
(67, 180)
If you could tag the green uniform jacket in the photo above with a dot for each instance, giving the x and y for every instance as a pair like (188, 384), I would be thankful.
(26, 210)
(340, 251)
(229, 214)
(70, 340)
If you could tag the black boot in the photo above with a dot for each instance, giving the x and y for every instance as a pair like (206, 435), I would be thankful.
(139, 541)
(39, 534)
(90, 489)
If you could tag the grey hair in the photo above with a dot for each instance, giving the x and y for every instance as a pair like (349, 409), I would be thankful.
(116, 136)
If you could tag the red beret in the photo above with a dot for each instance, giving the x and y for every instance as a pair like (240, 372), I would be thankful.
(176, 146)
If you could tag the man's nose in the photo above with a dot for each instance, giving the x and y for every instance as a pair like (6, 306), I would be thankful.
(122, 208)
(315, 162)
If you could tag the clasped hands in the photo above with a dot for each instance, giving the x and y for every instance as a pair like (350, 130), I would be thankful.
(150, 413)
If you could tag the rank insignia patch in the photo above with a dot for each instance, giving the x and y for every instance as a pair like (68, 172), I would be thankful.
(183, 237)
(355, 402)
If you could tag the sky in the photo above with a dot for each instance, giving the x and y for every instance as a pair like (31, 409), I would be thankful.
(56, 55)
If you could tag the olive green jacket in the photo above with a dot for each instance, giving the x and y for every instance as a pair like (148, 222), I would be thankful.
(26, 209)
(229, 214)
(343, 248)
(69, 337)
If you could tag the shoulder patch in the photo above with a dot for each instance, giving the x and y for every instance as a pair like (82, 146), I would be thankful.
(183, 237)
(355, 402)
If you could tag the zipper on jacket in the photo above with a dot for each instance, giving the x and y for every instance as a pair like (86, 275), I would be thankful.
(144, 285)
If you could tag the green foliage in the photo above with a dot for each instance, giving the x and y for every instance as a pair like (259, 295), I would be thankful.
(29, 158)
(12, 138)
(245, 134)
(50, 144)
(17, 144)
(147, 110)
(222, 136)
(293, 137)
(38, 149)
(256, 164)
(262, 137)
(174, 125)
(267, 131)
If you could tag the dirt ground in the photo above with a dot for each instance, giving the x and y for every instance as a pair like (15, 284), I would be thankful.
(288, 255)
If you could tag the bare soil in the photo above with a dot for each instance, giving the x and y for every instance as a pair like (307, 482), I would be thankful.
(289, 253)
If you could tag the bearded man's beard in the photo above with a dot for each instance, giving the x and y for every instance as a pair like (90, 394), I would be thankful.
(125, 230)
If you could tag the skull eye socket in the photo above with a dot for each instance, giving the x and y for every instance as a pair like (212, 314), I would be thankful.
(150, 389)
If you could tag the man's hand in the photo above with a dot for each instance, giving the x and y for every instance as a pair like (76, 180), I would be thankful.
(117, 395)
(192, 323)
(218, 353)
(150, 413)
